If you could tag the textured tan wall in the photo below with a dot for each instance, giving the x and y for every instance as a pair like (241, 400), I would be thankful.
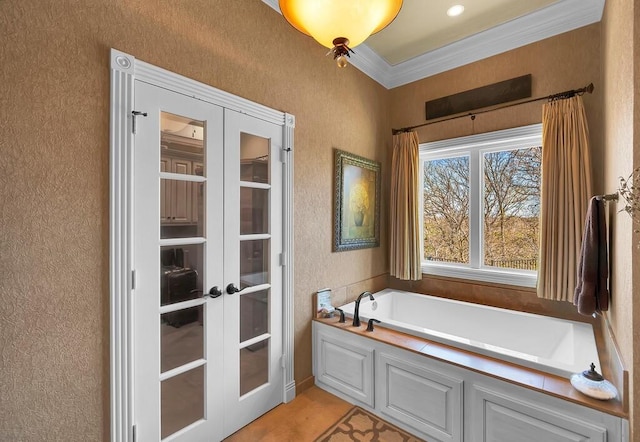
(54, 117)
(567, 61)
(54, 114)
(620, 56)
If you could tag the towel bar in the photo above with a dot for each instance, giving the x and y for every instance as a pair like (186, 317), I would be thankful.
(608, 197)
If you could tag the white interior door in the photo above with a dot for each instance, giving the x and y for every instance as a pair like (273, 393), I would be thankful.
(176, 255)
(207, 211)
(253, 253)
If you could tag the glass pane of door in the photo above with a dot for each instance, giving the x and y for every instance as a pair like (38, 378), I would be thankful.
(254, 320)
(254, 211)
(254, 366)
(182, 208)
(181, 270)
(181, 337)
(254, 262)
(254, 158)
(182, 141)
(181, 401)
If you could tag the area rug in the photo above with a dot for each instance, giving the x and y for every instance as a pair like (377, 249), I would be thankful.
(361, 426)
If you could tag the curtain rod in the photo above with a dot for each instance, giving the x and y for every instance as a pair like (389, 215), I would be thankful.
(559, 96)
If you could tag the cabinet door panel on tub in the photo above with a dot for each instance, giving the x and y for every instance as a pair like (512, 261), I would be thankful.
(346, 367)
(419, 396)
(498, 417)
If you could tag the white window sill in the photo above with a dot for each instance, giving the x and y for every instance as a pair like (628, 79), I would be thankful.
(522, 278)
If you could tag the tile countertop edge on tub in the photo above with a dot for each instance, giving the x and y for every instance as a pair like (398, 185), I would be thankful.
(506, 371)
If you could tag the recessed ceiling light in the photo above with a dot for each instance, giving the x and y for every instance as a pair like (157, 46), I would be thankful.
(455, 10)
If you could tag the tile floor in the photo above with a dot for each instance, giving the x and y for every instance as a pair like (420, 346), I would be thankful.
(301, 420)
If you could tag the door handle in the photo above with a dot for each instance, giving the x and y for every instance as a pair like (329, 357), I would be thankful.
(214, 292)
(231, 289)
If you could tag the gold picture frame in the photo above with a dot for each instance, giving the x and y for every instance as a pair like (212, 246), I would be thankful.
(357, 202)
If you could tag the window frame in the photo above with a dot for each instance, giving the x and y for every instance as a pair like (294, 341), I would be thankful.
(475, 146)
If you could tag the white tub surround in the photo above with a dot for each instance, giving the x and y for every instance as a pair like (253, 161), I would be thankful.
(442, 393)
(552, 345)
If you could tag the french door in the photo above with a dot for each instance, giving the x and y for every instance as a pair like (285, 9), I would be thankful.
(207, 244)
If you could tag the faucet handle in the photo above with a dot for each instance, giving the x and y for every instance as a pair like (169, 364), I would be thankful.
(370, 324)
(341, 314)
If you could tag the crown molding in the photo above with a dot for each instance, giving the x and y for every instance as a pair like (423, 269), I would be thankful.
(370, 63)
(273, 4)
(555, 19)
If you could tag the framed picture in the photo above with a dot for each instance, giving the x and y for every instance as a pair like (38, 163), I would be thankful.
(357, 202)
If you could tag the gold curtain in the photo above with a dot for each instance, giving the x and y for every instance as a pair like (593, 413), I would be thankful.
(405, 223)
(565, 193)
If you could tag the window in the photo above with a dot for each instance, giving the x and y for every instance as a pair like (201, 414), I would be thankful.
(481, 206)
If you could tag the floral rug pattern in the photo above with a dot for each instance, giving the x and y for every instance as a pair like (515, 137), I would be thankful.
(359, 425)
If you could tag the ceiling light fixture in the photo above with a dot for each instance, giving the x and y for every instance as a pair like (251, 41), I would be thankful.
(339, 24)
(455, 10)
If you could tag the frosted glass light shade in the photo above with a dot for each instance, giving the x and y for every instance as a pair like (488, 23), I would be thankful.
(325, 20)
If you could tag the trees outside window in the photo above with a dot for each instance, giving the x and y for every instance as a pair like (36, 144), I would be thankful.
(512, 208)
(446, 209)
(481, 202)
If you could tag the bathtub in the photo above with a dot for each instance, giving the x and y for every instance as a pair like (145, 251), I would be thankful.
(552, 345)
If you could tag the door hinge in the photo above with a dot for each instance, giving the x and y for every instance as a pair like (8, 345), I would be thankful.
(133, 279)
(134, 115)
(283, 361)
(133, 434)
(283, 259)
(283, 154)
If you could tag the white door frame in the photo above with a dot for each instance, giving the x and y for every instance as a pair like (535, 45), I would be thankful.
(124, 70)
